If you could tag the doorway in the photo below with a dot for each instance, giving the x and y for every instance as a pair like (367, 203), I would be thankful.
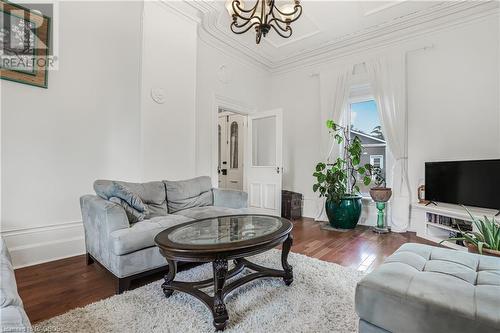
(231, 128)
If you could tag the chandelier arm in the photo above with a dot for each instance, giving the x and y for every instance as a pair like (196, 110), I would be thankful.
(247, 19)
(288, 29)
(246, 22)
(236, 5)
(276, 22)
(297, 11)
(264, 18)
(239, 32)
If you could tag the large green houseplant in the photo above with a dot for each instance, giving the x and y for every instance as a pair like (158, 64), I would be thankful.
(337, 181)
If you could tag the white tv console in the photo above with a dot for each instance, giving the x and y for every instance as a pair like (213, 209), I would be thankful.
(436, 232)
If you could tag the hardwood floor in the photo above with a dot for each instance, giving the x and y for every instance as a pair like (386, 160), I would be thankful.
(56, 287)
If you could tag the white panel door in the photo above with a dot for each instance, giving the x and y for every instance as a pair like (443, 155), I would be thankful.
(265, 140)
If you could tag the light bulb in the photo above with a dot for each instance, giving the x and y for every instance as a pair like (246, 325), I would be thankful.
(289, 10)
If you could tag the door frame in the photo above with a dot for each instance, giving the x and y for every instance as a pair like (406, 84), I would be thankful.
(234, 106)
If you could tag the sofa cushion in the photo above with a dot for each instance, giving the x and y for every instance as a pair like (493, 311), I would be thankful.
(152, 194)
(14, 319)
(421, 288)
(230, 198)
(8, 286)
(184, 194)
(141, 234)
(198, 213)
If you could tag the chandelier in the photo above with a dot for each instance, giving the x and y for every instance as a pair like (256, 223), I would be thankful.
(263, 16)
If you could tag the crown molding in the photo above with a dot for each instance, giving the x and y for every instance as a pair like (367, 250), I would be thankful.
(439, 16)
(225, 41)
(414, 25)
(181, 9)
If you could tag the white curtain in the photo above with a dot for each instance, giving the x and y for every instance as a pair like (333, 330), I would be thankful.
(334, 95)
(388, 79)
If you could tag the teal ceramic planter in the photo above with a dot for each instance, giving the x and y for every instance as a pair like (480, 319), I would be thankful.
(345, 214)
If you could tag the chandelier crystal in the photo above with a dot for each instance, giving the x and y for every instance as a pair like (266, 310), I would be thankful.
(263, 16)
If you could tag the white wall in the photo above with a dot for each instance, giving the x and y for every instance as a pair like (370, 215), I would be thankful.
(453, 104)
(453, 98)
(301, 132)
(230, 82)
(57, 141)
(169, 63)
(97, 118)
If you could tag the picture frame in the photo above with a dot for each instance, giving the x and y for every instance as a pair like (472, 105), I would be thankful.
(24, 34)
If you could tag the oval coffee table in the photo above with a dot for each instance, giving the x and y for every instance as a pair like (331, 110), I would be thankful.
(218, 240)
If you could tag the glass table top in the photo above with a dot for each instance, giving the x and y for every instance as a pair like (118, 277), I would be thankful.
(228, 229)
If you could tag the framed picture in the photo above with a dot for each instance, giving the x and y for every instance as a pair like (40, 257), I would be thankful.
(24, 35)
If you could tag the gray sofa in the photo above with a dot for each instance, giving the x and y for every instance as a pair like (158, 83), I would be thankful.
(13, 317)
(120, 236)
(422, 288)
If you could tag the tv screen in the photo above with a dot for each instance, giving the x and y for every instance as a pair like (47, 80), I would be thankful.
(470, 183)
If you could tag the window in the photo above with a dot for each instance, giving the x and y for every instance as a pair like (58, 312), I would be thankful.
(233, 158)
(364, 122)
(377, 161)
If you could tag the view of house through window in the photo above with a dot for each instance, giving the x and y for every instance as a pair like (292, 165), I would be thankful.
(364, 122)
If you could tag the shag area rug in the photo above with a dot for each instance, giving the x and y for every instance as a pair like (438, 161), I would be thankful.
(321, 299)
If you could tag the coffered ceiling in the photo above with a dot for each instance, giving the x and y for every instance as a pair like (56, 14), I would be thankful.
(329, 28)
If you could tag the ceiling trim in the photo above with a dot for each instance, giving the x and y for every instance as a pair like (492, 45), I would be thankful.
(296, 39)
(210, 32)
(405, 27)
(384, 7)
(389, 35)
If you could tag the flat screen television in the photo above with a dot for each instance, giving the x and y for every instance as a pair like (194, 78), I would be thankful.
(469, 183)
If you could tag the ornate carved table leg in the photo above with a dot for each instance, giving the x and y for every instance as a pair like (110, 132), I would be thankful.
(288, 278)
(219, 308)
(169, 278)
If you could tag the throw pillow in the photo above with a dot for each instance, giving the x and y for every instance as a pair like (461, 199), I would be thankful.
(133, 215)
(108, 189)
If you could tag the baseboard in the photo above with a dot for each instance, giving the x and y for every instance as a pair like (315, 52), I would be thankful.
(32, 246)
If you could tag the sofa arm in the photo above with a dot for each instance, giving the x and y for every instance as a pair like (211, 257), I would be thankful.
(104, 215)
(230, 198)
(100, 218)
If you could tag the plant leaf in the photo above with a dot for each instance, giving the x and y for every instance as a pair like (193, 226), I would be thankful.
(480, 247)
(320, 166)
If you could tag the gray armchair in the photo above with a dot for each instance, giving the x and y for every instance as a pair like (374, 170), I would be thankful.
(127, 249)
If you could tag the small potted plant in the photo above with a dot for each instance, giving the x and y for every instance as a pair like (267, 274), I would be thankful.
(486, 240)
(337, 181)
(380, 194)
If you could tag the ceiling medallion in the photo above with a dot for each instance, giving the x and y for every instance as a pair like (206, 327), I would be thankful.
(264, 15)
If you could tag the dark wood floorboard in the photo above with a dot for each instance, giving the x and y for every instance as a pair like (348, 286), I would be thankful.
(53, 288)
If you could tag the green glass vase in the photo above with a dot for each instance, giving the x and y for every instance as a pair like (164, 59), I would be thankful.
(344, 214)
